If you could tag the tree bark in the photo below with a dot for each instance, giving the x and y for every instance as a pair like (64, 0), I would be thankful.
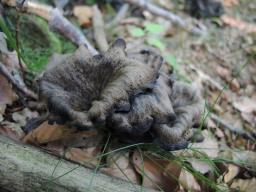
(27, 169)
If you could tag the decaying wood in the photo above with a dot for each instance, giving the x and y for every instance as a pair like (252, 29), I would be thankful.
(25, 168)
(21, 87)
(98, 27)
(56, 21)
(144, 4)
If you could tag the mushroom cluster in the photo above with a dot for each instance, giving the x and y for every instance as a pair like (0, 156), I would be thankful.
(128, 93)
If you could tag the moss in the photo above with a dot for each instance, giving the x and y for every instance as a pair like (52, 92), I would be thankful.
(36, 42)
(66, 45)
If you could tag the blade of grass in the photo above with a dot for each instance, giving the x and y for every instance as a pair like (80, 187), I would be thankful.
(143, 169)
(50, 183)
(98, 156)
(100, 159)
(11, 41)
(126, 176)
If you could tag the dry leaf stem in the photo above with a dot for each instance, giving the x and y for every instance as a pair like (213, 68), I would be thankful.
(98, 27)
(20, 86)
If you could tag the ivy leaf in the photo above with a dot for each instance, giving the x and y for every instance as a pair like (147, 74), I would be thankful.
(154, 28)
(156, 42)
(137, 32)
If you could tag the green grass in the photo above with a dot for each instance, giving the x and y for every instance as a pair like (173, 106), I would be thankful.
(98, 165)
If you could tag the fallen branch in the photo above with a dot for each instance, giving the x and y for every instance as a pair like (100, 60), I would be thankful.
(144, 4)
(56, 21)
(25, 168)
(98, 27)
(21, 87)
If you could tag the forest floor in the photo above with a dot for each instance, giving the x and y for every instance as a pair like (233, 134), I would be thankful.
(221, 63)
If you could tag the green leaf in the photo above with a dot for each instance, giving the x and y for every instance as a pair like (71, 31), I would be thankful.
(154, 28)
(110, 9)
(156, 42)
(90, 2)
(172, 61)
(217, 21)
(137, 32)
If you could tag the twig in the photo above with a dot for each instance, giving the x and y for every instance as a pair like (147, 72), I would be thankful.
(144, 4)
(98, 27)
(56, 21)
(119, 16)
(21, 87)
(225, 124)
(206, 77)
(18, 43)
(65, 27)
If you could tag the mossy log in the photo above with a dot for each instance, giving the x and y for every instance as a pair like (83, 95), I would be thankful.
(26, 168)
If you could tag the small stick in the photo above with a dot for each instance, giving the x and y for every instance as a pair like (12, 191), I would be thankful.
(98, 27)
(119, 16)
(56, 21)
(21, 87)
(224, 123)
(167, 14)
(65, 27)
(206, 77)
(18, 42)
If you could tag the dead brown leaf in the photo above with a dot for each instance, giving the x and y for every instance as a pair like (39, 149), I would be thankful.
(83, 14)
(239, 24)
(209, 147)
(200, 165)
(22, 116)
(11, 130)
(85, 156)
(229, 3)
(233, 171)
(157, 173)
(81, 146)
(90, 138)
(118, 165)
(247, 107)
(46, 133)
(9, 58)
(62, 135)
(55, 149)
(188, 181)
(235, 85)
(241, 158)
(7, 96)
(223, 72)
(245, 185)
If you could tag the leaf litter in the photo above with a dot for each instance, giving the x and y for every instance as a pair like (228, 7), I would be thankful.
(218, 56)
